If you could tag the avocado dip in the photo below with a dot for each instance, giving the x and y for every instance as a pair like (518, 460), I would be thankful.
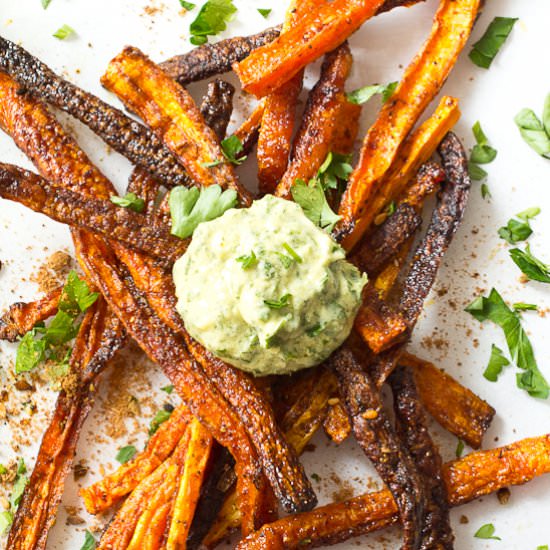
(266, 290)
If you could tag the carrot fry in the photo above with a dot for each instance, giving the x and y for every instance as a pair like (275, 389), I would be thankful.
(421, 82)
(133, 517)
(325, 116)
(197, 456)
(98, 216)
(466, 479)
(171, 113)
(336, 424)
(22, 317)
(108, 491)
(456, 408)
(217, 106)
(227, 521)
(155, 530)
(318, 32)
(99, 338)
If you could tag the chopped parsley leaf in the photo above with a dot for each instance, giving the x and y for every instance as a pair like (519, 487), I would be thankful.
(311, 197)
(189, 207)
(187, 5)
(534, 132)
(130, 200)
(486, 48)
(264, 12)
(362, 95)
(336, 167)
(486, 531)
(161, 416)
(522, 306)
(496, 363)
(532, 267)
(248, 261)
(459, 448)
(295, 256)
(284, 301)
(211, 20)
(126, 453)
(64, 32)
(46, 3)
(168, 389)
(6, 519)
(482, 153)
(89, 542)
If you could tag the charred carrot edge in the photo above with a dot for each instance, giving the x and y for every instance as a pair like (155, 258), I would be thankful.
(217, 106)
(325, 116)
(318, 32)
(99, 337)
(248, 131)
(104, 493)
(277, 127)
(458, 409)
(183, 511)
(34, 130)
(98, 216)
(466, 479)
(421, 82)
(132, 518)
(336, 424)
(172, 114)
(23, 316)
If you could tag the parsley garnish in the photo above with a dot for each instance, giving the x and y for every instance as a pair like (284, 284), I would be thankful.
(459, 448)
(279, 304)
(335, 167)
(187, 5)
(126, 453)
(520, 229)
(485, 193)
(482, 153)
(486, 531)
(494, 308)
(6, 519)
(130, 200)
(211, 20)
(46, 3)
(89, 542)
(189, 207)
(264, 12)
(522, 306)
(496, 363)
(486, 48)
(362, 95)
(64, 32)
(162, 416)
(295, 256)
(248, 261)
(311, 197)
(532, 267)
(534, 132)
(543, 547)
(21, 481)
(231, 148)
(76, 298)
(168, 389)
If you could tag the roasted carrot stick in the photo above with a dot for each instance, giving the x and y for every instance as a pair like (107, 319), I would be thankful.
(336, 423)
(466, 479)
(104, 493)
(172, 114)
(248, 131)
(421, 82)
(23, 316)
(196, 459)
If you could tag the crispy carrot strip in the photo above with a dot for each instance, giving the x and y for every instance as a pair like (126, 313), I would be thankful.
(466, 479)
(421, 82)
(98, 216)
(172, 114)
(217, 106)
(23, 316)
(154, 533)
(131, 521)
(197, 456)
(336, 423)
(249, 130)
(99, 337)
(326, 114)
(277, 127)
(104, 493)
(456, 408)
(318, 32)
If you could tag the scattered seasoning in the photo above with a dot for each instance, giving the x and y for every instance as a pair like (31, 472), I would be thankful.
(362, 95)
(189, 207)
(534, 132)
(486, 531)
(130, 201)
(52, 273)
(464, 520)
(486, 48)
(503, 495)
(46, 3)
(316, 477)
(80, 470)
(64, 32)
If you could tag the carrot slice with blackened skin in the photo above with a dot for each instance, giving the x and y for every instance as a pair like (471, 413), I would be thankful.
(421, 82)
(172, 114)
(23, 316)
(217, 106)
(466, 479)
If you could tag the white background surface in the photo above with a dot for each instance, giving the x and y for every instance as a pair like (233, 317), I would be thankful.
(518, 179)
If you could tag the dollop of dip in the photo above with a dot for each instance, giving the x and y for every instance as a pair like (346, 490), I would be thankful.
(266, 290)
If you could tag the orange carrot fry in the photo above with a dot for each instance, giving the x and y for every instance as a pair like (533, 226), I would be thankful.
(104, 493)
(468, 478)
(458, 409)
(197, 456)
(247, 132)
(322, 121)
(420, 84)
(319, 31)
(336, 424)
(171, 113)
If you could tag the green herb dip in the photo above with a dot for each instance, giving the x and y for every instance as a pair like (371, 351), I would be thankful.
(266, 290)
